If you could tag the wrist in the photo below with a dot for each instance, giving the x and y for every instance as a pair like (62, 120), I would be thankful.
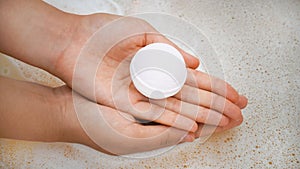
(84, 27)
(70, 127)
(28, 111)
(64, 113)
(38, 32)
(62, 32)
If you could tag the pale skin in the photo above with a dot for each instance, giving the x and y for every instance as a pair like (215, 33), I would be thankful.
(50, 39)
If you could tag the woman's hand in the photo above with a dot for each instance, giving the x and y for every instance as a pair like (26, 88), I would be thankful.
(96, 64)
(48, 114)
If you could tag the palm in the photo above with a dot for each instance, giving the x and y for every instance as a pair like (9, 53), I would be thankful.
(113, 76)
(114, 81)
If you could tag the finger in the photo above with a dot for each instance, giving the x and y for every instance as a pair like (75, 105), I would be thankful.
(117, 133)
(192, 111)
(243, 101)
(204, 81)
(152, 112)
(230, 125)
(155, 137)
(141, 137)
(191, 61)
(142, 131)
(205, 130)
(209, 100)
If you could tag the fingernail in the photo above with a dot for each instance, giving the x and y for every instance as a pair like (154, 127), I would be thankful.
(194, 128)
(239, 120)
(243, 101)
(189, 138)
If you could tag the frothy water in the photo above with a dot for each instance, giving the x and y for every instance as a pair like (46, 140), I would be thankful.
(10, 67)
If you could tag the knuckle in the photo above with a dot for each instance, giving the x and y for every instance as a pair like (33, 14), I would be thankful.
(174, 104)
(202, 113)
(219, 102)
(172, 119)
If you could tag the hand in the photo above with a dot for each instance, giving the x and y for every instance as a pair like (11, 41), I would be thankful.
(48, 114)
(111, 131)
(109, 82)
